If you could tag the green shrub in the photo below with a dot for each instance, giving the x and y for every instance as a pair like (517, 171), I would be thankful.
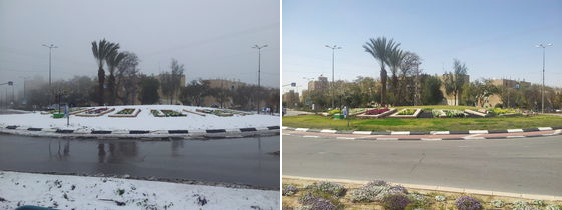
(335, 111)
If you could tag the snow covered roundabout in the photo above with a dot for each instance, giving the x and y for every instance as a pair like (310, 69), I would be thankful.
(142, 121)
(78, 192)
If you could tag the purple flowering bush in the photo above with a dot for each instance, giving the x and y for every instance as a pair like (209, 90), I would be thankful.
(318, 200)
(395, 202)
(289, 189)
(468, 203)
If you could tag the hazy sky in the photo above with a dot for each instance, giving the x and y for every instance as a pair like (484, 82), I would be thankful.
(494, 38)
(213, 38)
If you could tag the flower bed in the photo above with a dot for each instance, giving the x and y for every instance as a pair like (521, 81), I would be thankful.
(504, 112)
(128, 112)
(172, 113)
(156, 113)
(96, 112)
(449, 113)
(406, 113)
(377, 113)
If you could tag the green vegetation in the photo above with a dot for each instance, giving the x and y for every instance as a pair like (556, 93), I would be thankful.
(432, 124)
(407, 112)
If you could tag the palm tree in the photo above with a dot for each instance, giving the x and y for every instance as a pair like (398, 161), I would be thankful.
(113, 61)
(395, 61)
(381, 49)
(101, 51)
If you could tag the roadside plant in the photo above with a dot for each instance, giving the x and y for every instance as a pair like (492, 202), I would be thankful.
(553, 207)
(377, 182)
(468, 203)
(366, 193)
(318, 200)
(331, 188)
(395, 202)
(391, 190)
(289, 189)
(440, 198)
(497, 203)
(538, 202)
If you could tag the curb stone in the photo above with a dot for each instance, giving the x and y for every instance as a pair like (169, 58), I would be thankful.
(376, 133)
(81, 133)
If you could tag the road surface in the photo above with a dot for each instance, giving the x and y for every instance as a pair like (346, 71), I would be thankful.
(240, 161)
(525, 165)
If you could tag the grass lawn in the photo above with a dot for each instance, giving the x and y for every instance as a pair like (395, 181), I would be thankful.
(433, 124)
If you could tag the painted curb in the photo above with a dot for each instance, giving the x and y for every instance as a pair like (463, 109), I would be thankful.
(558, 131)
(516, 130)
(186, 134)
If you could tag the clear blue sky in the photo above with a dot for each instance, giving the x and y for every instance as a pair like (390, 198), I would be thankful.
(496, 39)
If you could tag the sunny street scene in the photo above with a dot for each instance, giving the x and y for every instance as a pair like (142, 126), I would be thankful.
(422, 105)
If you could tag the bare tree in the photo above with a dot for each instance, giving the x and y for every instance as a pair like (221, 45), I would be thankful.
(127, 78)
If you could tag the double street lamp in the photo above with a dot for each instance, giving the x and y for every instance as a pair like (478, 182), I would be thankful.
(259, 71)
(334, 48)
(543, 46)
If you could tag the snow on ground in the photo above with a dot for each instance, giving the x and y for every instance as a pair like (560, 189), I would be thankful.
(144, 121)
(77, 192)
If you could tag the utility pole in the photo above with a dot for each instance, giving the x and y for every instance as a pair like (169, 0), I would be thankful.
(51, 46)
(332, 86)
(259, 72)
(543, 59)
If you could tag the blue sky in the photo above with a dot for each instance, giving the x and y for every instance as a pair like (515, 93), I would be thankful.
(496, 39)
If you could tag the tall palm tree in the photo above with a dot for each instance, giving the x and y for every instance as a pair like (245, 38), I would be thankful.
(101, 51)
(113, 61)
(381, 49)
(395, 60)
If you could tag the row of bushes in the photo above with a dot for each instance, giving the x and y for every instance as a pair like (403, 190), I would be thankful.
(326, 195)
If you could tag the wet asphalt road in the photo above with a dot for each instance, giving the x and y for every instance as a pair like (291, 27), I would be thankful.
(241, 160)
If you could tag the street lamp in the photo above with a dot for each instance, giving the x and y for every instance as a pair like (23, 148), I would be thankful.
(10, 83)
(332, 86)
(543, 46)
(51, 46)
(259, 71)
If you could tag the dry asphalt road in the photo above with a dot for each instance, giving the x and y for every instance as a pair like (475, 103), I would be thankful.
(525, 165)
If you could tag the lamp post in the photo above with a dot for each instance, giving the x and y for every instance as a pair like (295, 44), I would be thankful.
(334, 48)
(543, 46)
(10, 83)
(259, 71)
(51, 46)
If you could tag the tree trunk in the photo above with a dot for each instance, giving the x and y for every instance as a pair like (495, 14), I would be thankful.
(101, 80)
(383, 88)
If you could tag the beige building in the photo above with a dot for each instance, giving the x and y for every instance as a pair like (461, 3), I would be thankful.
(222, 84)
(495, 99)
(291, 98)
(321, 84)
